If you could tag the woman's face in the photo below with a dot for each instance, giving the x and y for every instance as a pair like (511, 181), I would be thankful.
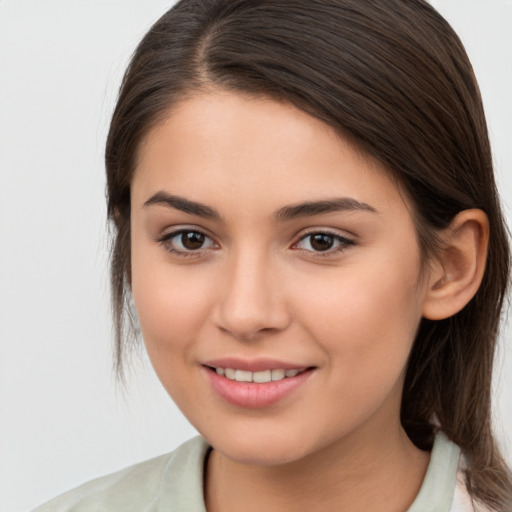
(266, 249)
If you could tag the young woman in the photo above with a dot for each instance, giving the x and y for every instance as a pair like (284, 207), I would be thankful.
(306, 219)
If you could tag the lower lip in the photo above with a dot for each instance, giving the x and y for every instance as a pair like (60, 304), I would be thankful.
(252, 395)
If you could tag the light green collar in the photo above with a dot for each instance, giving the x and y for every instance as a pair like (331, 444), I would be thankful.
(436, 493)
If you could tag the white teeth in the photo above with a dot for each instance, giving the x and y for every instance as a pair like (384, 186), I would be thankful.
(243, 376)
(258, 377)
(278, 374)
(229, 373)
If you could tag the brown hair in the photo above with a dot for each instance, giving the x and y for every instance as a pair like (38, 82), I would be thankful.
(393, 77)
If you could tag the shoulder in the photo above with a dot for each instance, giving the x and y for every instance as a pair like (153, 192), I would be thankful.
(171, 482)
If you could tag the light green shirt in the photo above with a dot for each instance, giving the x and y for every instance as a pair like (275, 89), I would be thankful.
(174, 483)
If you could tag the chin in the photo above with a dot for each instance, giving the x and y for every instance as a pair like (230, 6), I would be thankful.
(259, 448)
(258, 456)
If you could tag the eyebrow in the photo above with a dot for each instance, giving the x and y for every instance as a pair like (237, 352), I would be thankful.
(185, 205)
(308, 209)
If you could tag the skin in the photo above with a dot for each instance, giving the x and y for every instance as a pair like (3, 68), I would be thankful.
(257, 288)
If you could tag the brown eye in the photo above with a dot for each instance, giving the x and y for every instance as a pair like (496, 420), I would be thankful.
(321, 242)
(187, 241)
(192, 240)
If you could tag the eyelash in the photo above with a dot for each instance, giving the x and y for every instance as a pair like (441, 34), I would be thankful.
(343, 243)
(166, 242)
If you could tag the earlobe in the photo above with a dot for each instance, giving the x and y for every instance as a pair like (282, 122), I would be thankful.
(459, 267)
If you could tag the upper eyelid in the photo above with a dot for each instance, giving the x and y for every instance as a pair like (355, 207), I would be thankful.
(166, 237)
(327, 231)
(170, 232)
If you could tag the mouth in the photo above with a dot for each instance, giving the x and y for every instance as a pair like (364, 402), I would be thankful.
(259, 377)
(266, 384)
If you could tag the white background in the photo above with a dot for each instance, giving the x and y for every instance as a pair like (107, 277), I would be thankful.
(63, 419)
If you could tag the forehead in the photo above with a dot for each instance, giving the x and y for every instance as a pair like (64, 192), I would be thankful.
(221, 146)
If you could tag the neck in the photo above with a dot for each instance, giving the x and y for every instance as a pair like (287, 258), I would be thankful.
(364, 471)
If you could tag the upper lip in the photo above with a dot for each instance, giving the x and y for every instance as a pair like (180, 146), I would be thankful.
(253, 365)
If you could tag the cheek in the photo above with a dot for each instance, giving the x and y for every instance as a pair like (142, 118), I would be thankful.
(163, 303)
(364, 318)
(170, 304)
(171, 312)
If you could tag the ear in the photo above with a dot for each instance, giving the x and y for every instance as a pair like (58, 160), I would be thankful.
(457, 271)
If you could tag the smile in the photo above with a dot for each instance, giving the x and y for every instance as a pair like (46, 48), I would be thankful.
(256, 389)
(258, 377)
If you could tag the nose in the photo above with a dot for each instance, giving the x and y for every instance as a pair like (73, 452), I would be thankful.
(251, 299)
